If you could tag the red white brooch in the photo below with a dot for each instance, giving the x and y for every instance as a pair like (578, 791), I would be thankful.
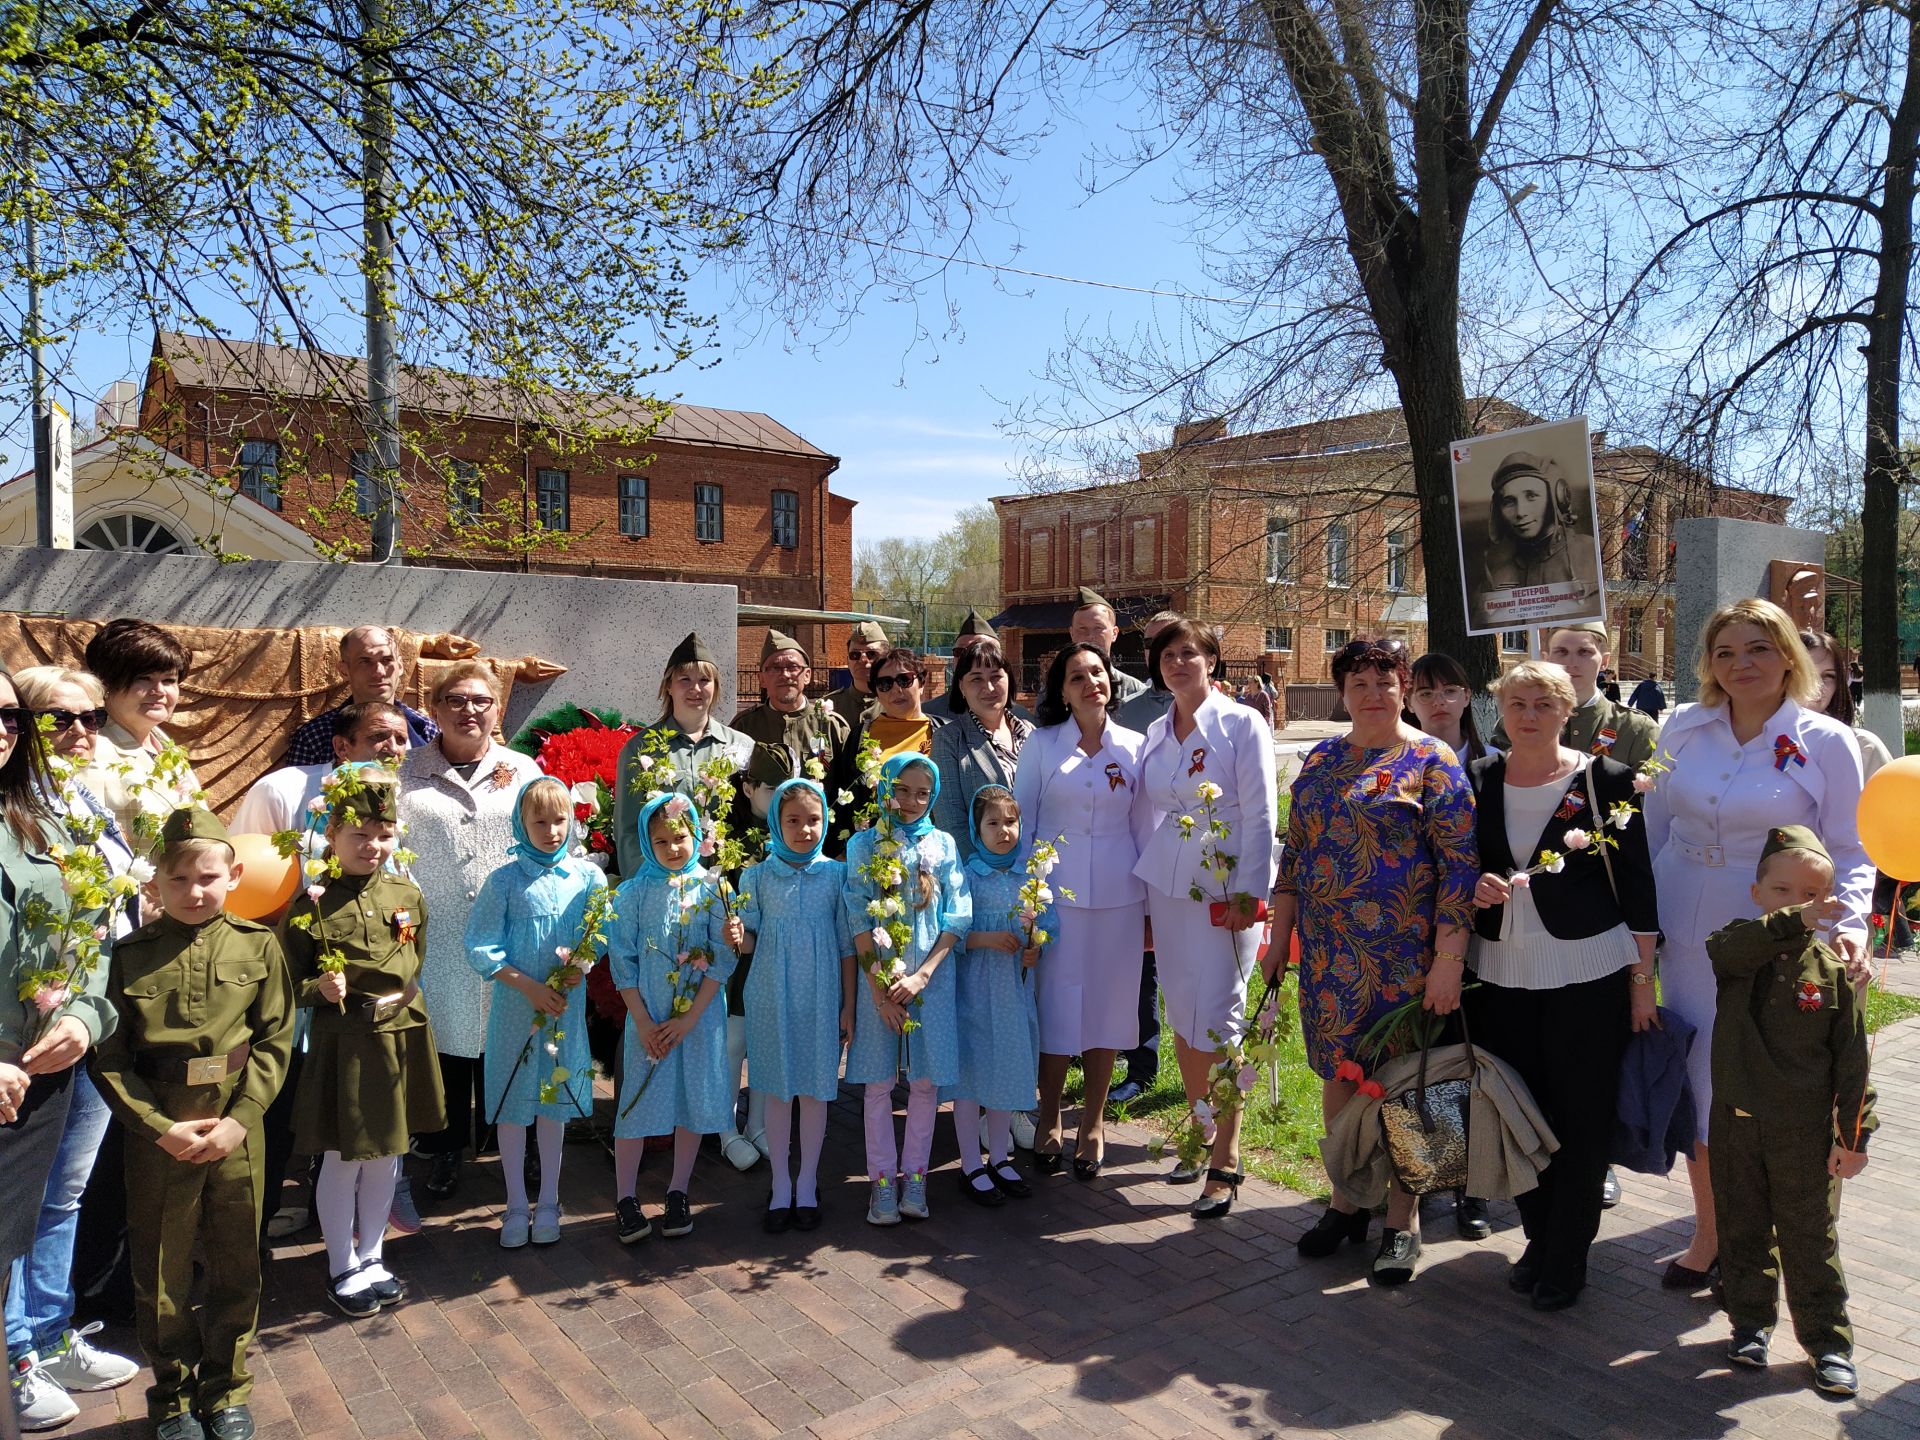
(1199, 765)
(1808, 996)
(1785, 751)
(1116, 777)
(405, 929)
(1570, 805)
(1603, 742)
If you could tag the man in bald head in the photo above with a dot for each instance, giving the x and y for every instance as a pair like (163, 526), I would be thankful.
(370, 657)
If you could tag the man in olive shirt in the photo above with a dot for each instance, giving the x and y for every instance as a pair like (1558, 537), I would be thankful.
(811, 730)
(853, 701)
(1094, 623)
(205, 1007)
(1597, 726)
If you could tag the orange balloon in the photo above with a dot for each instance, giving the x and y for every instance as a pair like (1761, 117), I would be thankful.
(1890, 818)
(267, 882)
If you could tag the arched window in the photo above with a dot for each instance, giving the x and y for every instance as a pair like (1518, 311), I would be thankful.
(138, 533)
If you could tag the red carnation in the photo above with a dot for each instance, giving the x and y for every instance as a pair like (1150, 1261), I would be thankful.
(1371, 1089)
(1349, 1070)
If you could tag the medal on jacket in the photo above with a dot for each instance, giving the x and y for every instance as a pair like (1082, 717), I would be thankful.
(1603, 742)
(1570, 806)
(1808, 996)
(502, 775)
(1115, 776)
(1784, 750)
(1199, 765)
(405, 928)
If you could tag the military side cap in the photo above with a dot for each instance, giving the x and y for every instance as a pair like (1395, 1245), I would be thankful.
(868, 632)
(974, 625)
(770, 765)
(1091, 597)
(367, 794)
(691, 651)
(193, 822)
(777, 641)
(1792, 837)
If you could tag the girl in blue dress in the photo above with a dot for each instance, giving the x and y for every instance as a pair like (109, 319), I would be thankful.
(671, 951)
(521, 934)
(799, 993)
(907, 902)
(994, 994)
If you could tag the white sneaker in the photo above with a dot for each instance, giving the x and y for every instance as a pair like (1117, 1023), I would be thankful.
(546, 1225)
(740, 1152)
(78, 1364)
(514, 1226)
(1022, 1129)
(41, 1403)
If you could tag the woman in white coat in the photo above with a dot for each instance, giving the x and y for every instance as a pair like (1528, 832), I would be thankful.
(1750, 756)
(1075, 784)
(1206, 739)
(457, 800)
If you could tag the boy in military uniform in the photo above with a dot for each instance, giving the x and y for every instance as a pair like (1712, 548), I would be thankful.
(206, 1028)
(1792, 1109)
(1598, 726)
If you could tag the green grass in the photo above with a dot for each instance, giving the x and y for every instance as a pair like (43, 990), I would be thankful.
(1884, 1007)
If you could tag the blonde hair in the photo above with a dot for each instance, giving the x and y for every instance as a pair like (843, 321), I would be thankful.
(193, 847)
(1803, 681)
(711, 671)
(463, 670)
(547, 799)
(1542, 673)
(35, 685)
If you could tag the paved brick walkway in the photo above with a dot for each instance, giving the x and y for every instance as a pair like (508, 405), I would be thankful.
(1090, 1310)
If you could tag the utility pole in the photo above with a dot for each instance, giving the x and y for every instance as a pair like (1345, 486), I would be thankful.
(383, 406)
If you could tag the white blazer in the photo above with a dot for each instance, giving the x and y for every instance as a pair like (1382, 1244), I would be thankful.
(1231, 745)
(1084, 804)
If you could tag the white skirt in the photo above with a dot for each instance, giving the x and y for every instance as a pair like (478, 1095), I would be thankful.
(1203, 969)
(1089, 993)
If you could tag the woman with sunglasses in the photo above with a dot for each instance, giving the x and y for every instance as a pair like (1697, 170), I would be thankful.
(40, 1292)
(897, 726)
(140, 667)
(40, 1045)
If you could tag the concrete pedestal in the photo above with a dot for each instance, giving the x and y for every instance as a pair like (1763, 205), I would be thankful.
(1718, 561)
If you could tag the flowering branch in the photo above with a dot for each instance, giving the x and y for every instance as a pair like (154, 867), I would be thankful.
(1233, 1074)
(685, 970)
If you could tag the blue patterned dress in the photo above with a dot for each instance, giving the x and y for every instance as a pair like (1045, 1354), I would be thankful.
(1380, 850)
(693, 1089)
(792, 997)
(999, 1022)
(933, 1051)
(524, 913)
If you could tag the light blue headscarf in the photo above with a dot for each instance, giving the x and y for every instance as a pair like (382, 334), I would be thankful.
(650, 866)
(889, 773)
(523, 847)
(776, 842)
(986, 857)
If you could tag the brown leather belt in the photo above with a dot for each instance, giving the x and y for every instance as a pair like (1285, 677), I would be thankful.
(200, 1070)
(385, 1007)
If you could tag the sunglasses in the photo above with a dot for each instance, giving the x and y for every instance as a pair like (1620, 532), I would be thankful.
(88, 720)
(11, 718)
(885, 683)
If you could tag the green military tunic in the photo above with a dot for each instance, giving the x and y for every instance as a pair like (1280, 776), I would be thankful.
(1789, 1081)
(1603, 728)
(371, 1076)
(187, 993)
(815, 731)
(686, 756)
(852, 706)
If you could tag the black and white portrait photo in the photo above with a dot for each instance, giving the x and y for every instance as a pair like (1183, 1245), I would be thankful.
(1529, 541)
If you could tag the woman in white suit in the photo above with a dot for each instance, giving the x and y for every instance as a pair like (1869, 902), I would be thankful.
(1205, 738)
(1075, 783)
(1749, 757)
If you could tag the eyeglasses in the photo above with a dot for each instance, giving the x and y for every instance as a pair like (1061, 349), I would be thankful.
(882, 684)
(88, 720)
(787, 669)
(11, 718)
(467, 702)
(1449, 693)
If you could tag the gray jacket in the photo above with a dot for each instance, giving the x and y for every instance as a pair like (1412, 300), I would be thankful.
(968, 762)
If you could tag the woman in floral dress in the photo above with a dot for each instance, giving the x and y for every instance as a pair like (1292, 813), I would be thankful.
(1378, 874)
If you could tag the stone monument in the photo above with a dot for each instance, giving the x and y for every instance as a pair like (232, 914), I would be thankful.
(1717, 561)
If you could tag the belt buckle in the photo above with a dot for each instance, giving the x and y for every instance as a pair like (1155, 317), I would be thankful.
(1716, 855)
(383, 1009)
(209, 1071)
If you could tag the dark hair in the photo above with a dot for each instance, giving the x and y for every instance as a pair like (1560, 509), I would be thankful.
(1387, 657)
(963, 665)
(1052, 708)
(348, 719)
(900, 655)
(1840, 703)
(1184, 629)
(24, 783)
(1437, 668)
(991, 795)
(121, 651)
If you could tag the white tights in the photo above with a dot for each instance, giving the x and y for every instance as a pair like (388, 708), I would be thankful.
(513, 1161)
(966, 1130)
(813, 1135)
(626, 1162)
(350, 1191)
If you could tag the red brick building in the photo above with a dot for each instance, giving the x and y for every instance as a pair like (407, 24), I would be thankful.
(1296, 540)
(710, 496)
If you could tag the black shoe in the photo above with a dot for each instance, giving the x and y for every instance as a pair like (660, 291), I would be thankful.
(1218, 1207)
(1523, 1275)
(1126, 1092)
(1008, 1179)
(357, 1306)
(777, 1221)
(179, 1427)
(1470, 1217)
(630, 1221)
(1394, 1262)
(990, 1197)
(1610, 1190)
(1685, 1277)
(1548, 1296)
(1049, 1162)
(390, 1291)
(444, 1178)
(1833, 1375)
(1749, 1348)
(679, 1217)
(1088, 1169)
(806, 1217)
(235, 1422)
(1330, 1229)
